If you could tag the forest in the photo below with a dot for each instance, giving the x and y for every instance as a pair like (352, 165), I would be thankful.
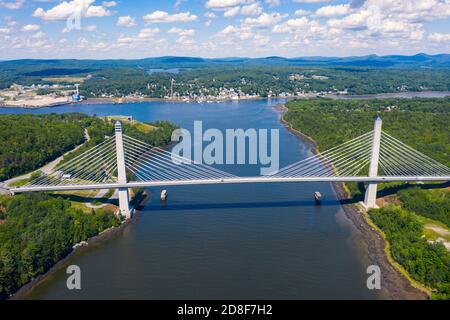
(262, 80)
(122, 78)
(40, 230)
(420, 123)
(428, 263)
(27, 142)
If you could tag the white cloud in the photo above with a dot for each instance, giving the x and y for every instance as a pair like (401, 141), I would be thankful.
(310, 1)
(253, 9)
(273, 3)
(90, 28)
(5, 30)
(182, 32)
(109, 4)
(439, 37)
(210, 15)
(330, 11)
(12, 5)
(38, 35)
(144, 35)
(231, 12)
(64, 10)
(264, 20)
(301, 12)
(220, 4)
(164, 17)
(30, 27)
(148, 33)
(126, 21)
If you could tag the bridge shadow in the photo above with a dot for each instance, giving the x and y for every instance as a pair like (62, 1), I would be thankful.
(245, 205)
(80, 199)
(394, 189)
(391, 190)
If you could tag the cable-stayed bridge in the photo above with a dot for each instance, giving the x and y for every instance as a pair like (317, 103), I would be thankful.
(122, 162)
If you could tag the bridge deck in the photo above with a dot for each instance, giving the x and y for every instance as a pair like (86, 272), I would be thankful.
(69, 187)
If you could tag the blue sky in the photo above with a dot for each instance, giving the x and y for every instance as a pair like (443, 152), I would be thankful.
(221, 28)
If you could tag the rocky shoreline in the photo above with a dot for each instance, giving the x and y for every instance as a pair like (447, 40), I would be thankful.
(394, 283)
(105, 235)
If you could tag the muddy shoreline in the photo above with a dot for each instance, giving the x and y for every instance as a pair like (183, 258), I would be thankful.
(102, 237)
(395, 284)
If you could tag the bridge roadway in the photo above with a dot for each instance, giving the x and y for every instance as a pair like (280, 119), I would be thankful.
(237, 180)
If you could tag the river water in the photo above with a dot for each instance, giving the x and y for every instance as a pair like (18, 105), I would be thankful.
(225, 241)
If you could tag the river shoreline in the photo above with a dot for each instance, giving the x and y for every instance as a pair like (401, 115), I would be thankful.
(394, 282)
(24, 291)
(387, 95)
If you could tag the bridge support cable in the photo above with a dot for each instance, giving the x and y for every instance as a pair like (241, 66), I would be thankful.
(92, 166)
(349, 158)
(164, 155)
(397, 156)
(80, 161)
(156, 164)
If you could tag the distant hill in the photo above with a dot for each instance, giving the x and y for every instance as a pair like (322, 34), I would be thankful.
(420, 60)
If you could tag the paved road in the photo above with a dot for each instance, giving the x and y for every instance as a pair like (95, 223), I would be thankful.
(100, 195)
(47, 169)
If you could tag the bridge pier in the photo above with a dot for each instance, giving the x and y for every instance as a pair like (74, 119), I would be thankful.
(371, 191)
(124, 198)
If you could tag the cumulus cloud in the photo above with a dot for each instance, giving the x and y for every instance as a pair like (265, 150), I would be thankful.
(439, 37)
(182, 32)
(264, 20)
(126, 21)
(30, 27)
(220, 4)
(12, 5)
(64, 10)
(164, 17)
(330, 11)
(311, 1)
(301, 12)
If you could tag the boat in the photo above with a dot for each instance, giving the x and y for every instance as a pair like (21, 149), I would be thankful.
(318, 197)
(164, 195)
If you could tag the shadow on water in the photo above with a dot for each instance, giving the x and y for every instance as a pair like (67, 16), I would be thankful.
(247, 205)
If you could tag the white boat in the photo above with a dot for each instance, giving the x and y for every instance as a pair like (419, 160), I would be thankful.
(164, 195)
(318, 197)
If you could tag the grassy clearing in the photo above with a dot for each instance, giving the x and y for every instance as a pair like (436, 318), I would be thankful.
(19, 183)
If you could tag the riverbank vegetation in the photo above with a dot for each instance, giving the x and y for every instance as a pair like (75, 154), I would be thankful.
(152, 78)
(420, 123)
(427, 262)
(28, 142)
(39, 230)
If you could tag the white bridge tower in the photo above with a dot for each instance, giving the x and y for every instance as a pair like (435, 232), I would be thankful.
(371, 191)
(124, 198)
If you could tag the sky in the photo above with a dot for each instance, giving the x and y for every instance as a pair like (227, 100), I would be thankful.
(130, 29)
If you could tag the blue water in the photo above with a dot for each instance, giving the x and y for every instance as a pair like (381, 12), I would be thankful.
(224, 241)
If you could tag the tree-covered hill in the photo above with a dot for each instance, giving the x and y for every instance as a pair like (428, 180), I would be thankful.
(27, 142)
(421, 123)
(424, 125)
